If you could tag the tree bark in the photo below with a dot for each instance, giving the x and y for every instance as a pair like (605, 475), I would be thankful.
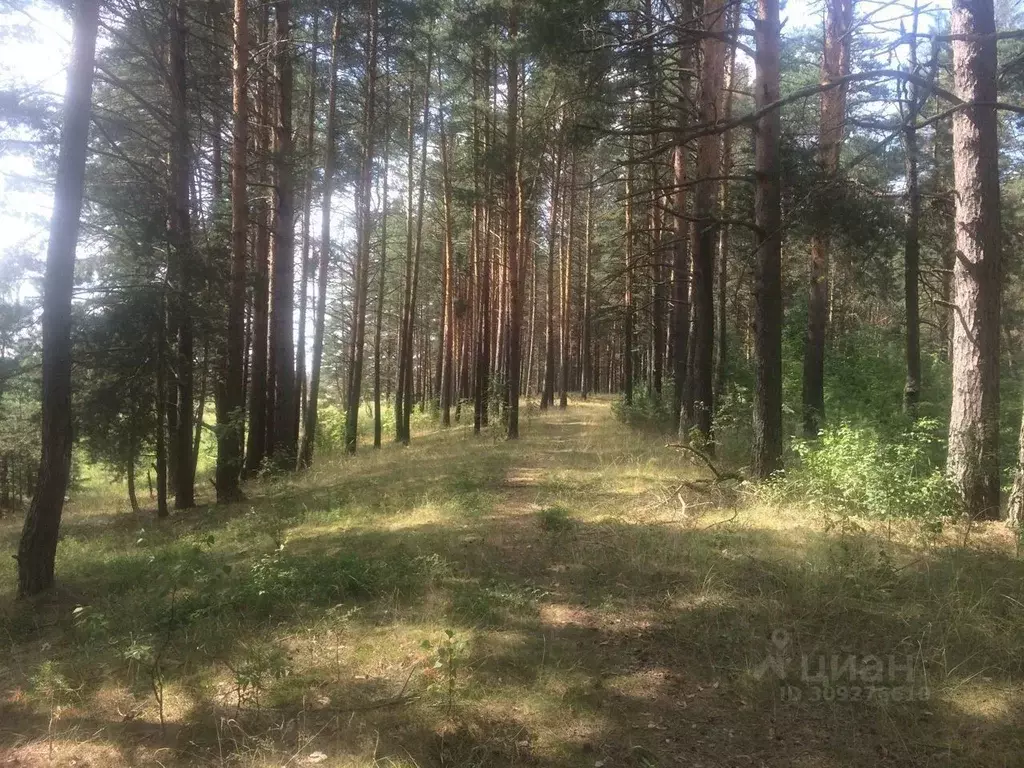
(911, 237)
(835, 63)
(680, 330)
(161, 412)
(627, 297)
(363, 238)
(382, 267)
(482, 239)
(259, 397)
(585, 355)
(133, 499)
(305, 265)
(1015, 504)
(231, 421)
(973, 459)
(180, 235)
(37, 549)
(324, 267)
(447, 284)
(704, 239)
(512, 201)
(566, 297)
(197, 432)
(414, 273)
(767, 443)
(283, 445)
(721, 351)
(658, 294)
(404, 353)
(548, 395)
(943, 192)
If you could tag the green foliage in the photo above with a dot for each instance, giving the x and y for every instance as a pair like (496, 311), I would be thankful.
(856, 470)
(261, 665)
(555, 519)
(284, 579)
(493, 602)
(330, 428)
(51, 685)
(649, 410)
(138, 654)
(449, 654)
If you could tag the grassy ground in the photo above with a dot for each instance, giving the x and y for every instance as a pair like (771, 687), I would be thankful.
(560, 601)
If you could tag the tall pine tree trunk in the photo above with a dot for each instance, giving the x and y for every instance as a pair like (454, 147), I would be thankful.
(417, 251)
(680, 315)
(767, 442)
(627, 298)
(232, 419)
(259, 397)
(721, 355)
(482, 266)
(323, 270)
(133, 498)
(973, 460)
(160, 447)
(1015, 504)
(585, 343)
(655, 169)
(512, 202)
(306, 264)
(180, 235)
(566, 297)
(363, 238)
(37, 549)
(404, 355)
(382, 268)
(284, 434)
(548, 396)
(835, 63)
(705, 227)
(448, 284)
(911, 238)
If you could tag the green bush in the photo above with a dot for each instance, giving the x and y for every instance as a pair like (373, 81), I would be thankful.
(857, 470)
(330, 428)
(649, 410)
(555, 520)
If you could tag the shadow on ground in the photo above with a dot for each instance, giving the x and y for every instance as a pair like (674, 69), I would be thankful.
(570, 637)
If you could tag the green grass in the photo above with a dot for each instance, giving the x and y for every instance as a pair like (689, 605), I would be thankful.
(560, 601)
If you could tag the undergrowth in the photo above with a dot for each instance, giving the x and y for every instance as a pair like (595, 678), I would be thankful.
(858, 470)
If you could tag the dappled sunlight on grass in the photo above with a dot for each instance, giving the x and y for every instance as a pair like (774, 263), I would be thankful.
(583, 596)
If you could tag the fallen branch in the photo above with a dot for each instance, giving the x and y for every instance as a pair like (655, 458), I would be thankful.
(722, 522)
(719, 475)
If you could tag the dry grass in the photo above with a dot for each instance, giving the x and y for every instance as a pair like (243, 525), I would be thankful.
(561, 601)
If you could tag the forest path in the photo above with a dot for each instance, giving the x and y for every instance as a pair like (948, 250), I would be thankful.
(469, 601)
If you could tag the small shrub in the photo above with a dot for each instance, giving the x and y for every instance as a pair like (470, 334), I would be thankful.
(51, 687)
(555, 519)
(330, 429)
(449, 655)
(852, 470)
(649, 410)
(261, 665)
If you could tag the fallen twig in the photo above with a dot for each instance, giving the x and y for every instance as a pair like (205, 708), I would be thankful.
(721, 522)
(719, 475)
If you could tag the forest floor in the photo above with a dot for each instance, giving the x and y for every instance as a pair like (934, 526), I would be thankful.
(583, 597)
